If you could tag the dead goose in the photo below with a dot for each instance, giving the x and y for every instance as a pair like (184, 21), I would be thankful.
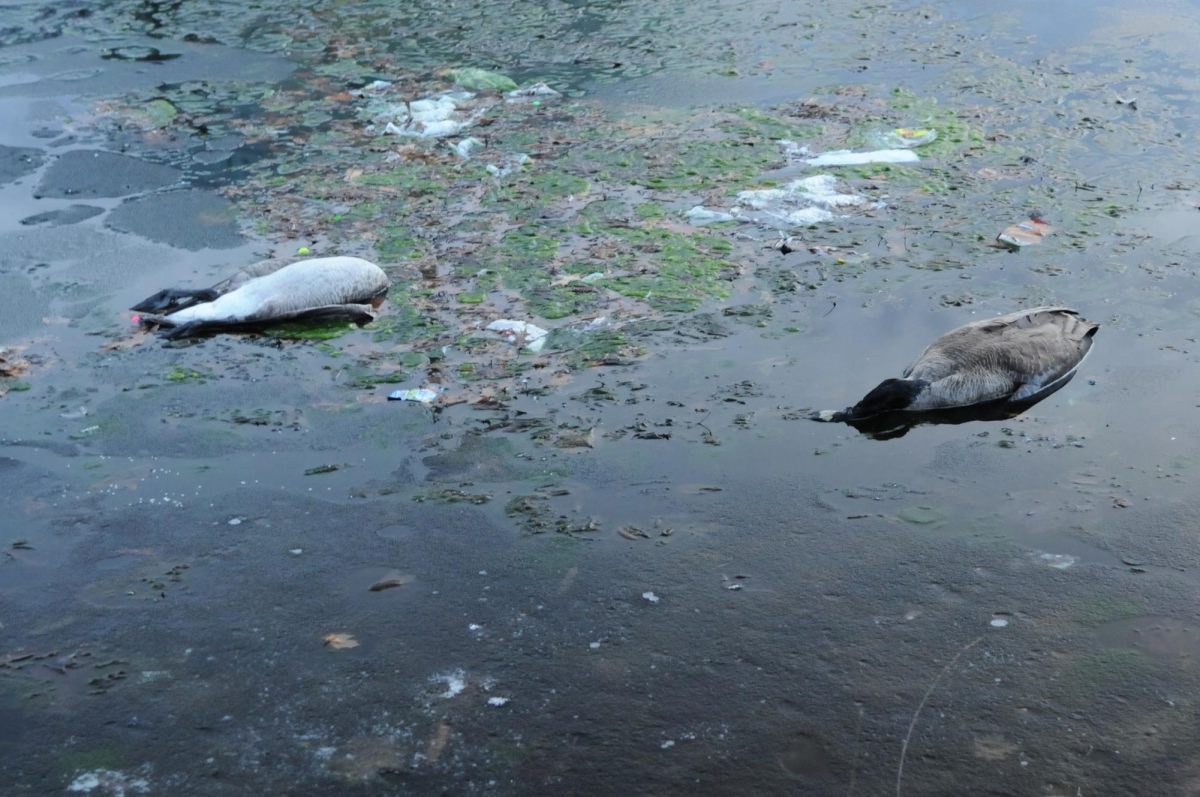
(317, 290)
(1014, 359)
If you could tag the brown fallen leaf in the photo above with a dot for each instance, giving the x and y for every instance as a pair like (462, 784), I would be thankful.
(136, 339)
(340, 641)
(10, 364)
(392, 579)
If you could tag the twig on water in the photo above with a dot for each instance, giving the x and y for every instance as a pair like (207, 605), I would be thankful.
(857, 753)
(921, 705)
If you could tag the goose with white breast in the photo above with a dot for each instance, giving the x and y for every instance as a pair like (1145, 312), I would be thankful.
(318, 290)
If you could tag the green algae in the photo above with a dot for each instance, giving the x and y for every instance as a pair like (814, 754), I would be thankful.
(481, 79)
(362, 378)
(301, 331)
(404, 324)
(451, 495)
(1106, 610)
(679, 271)
(179, 375)
(397, 246)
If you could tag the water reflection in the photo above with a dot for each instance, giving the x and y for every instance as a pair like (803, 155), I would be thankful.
(890, 425)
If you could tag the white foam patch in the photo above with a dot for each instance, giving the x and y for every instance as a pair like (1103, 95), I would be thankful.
(455, 682)
(112, 783)
(521, 333)
(1059, 561)
(800, 203)
(432, 117)
(844, 157)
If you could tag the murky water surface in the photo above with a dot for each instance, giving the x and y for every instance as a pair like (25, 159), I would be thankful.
(624, 562)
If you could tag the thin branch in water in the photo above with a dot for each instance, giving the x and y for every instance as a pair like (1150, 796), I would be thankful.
(857, 753)
(921, 705)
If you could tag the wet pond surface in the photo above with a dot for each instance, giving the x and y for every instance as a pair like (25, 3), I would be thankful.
(618, 559)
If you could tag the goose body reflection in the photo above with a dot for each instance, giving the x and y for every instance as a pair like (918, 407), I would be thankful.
(987, 369)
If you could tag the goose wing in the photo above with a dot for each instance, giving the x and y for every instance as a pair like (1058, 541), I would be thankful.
(1019, 354)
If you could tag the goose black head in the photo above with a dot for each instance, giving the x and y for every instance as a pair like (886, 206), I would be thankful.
(891, 395)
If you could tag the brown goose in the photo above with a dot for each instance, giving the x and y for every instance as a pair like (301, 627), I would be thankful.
(1015, 358)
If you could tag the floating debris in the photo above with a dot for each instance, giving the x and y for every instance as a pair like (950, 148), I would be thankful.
(700, 215)
(650, 596)
(425, 395)
(340, 641)
(906, 137)
(508, 165)
(465, 147)
(1059, 561)
(801, 202)
(455, 682)
(432, 117)
(1025, 233)
(793, 150)
(374, 87)
(534, 94)
(845, 157)
(109, 782)
(497, 701)
(520, 333)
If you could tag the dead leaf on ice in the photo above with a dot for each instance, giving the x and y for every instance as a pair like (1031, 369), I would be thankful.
(340, 641)
(392, 579)
(11, 364)
(136, 339)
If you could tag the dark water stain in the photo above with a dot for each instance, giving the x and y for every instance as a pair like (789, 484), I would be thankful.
(89, 174)
(16, 162)
(73, 214)
(147, 54)
(192, 219)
